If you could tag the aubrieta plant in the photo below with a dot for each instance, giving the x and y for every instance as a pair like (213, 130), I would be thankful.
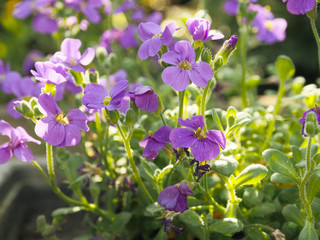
(160, 154)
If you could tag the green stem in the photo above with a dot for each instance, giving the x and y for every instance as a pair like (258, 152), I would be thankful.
(86, 206)
(303, 183)
(216, 205)
(126, 143)
(203, 104)
(273, 121)
(316, 36)
(231, 212)
(243, 47)
(181, 104)
(163, 119)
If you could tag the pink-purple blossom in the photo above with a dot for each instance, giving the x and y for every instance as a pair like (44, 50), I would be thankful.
(300, 6)
(49, 72)
(96, 96)
(152, 36)
(184, 68)
(56, 127)
(302, 120)
(232, 6)
(204, 146)
(17, 144)
(71, 56)
(174, 198)
(155, 142)
(199, 28)
(144, 98)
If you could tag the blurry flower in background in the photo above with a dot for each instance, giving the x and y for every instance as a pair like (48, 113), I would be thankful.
(232, 6)
(32, 57)
(300, 6)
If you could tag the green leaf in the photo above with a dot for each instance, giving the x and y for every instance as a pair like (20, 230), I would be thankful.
(313, 186)
(280, 163)
(264, 209)
(120, 222)
(154, 210)
(65, 211)
(297, 154)
(163, 173)
(308, 232)
(71, 166)
(216, 120)
(250, 175)
(243, 118)
(226, 226)
(252, 196)
(231, 116)
(224, 166)
(77, 77)
(285, 67)
(292, 213)
(193, 222)
(279, 178)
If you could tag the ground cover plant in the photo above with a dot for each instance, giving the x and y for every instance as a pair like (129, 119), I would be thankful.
(172, 139)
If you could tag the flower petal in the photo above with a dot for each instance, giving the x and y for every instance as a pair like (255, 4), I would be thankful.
(176, 78)
(162, 135)
(78, 118)
(72, 136)
(200, 74)
(50, 130)
(48, 105)
(300, 7)
(168, 197)
(25, 137)
(171, 57)
(87, 57)
(23, 153)
(185, 50)
(144, 142)
(152, 147)
(184, 189)
(217, 136)
(5, 128)
(5, 153)
(148, 30)
(118, 87)
(149, 48)
(94, 95)
(166, 37)
(182, 137)
(205, 150)
(194, 122)
(147, 102)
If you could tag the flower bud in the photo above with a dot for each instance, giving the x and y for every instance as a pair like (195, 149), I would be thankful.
(114, 116)
(217, 63)
(130, 117)
(101, 54)
(206, 56)
(228, 48)
(24, 108)
(93, 76)
(311, 127)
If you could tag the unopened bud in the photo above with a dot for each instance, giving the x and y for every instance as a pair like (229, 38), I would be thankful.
(26, 109)
(217, 63)
(206, 56)
(114, 116)
(101, 54)
(93, 76)
(311, 127)
(130, 117)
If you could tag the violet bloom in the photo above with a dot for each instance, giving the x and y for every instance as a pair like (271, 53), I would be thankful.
(174, 198)
(17, 144)
(128, 37)
(270, 29)
(24, 8)
(155, 142)
(108, 37)
(96, 96)
(89, 8)
(232, 6)
(71, 57)
(43, 23)
(4, 70)
(204, 146)
(152, 36)
(144, 98)
(56, 128)
(300, 6)
(185, 69)
(200, 30)
(302, 120)
(49, 72)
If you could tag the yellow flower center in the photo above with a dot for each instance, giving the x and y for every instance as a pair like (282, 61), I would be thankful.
(107, 100)
(61, 118)
(150, 133)
(200, 134)
(184, 65)
(156, 35)
(73, 62)
(269, 25)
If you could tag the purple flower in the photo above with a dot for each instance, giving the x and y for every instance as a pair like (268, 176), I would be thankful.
(300, 6)
(185, 69)
(96, 96)
(89, 8)
(16, 146)
(49, 72)
(71, 57)
(232, 6)
(128, 37)
(204, 146)
(174, 198)
(152, 36)
(200, 30)
(155, 142)
(24, 8)
(302, 120)
(270, 29)
(108, 37)
(56, 128)
(4, 70)
(144, 98)
(43, 23)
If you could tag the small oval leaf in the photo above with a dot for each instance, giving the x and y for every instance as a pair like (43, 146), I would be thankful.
(250, 175)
